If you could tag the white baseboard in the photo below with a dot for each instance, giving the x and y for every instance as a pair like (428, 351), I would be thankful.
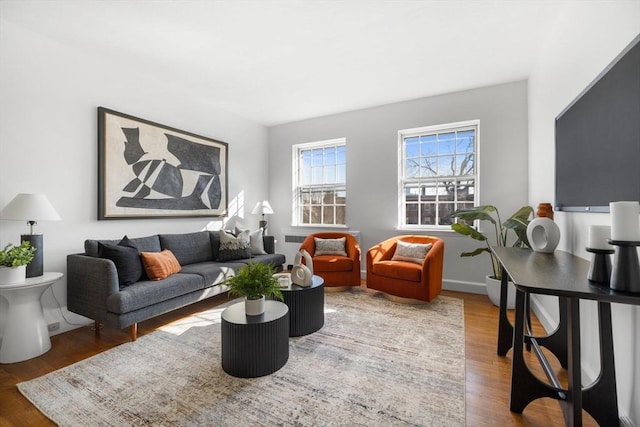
(461, 286)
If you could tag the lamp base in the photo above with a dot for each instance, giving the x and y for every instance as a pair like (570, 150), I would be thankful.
(34, 268)
(263, 224)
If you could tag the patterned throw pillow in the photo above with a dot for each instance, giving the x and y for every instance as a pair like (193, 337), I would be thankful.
(234, 247)
(330, 246)
(412, 252)
(160, 265)
(255, 240)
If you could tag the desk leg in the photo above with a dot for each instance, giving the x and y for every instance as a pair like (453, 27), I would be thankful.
(572, 407)
(505, 330)
(525, 387)
(556, 341)
(600, 398)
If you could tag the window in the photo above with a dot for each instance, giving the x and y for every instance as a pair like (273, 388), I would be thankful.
(320, 192)
(437, 173)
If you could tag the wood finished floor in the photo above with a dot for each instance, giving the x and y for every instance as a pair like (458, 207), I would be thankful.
(487, 375)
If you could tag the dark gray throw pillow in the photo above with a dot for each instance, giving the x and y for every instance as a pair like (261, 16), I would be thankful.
(126, 256)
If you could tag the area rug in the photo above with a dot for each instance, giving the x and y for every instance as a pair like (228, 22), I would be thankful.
(374, 363)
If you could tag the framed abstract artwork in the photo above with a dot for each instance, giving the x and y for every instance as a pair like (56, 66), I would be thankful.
(148, 170)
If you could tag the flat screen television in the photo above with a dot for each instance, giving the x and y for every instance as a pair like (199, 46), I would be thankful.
(597, 139)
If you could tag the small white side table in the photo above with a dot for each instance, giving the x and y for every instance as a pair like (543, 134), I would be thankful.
(25, 334)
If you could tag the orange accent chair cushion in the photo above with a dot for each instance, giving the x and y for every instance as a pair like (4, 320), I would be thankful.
(335, 269)
(160, 265)
(407, 279)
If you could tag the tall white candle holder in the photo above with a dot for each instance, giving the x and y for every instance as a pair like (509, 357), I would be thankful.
(600, 268)
(625, 275)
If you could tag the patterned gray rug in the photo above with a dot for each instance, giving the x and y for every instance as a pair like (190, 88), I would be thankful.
(374, 363)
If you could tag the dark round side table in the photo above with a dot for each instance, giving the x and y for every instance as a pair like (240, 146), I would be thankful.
(254, 346)
(306, 307)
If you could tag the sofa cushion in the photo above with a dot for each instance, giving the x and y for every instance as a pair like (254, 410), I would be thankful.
(147, 293)
(144, 244)
(332, 263)
(402, 270)
(213, 273)
(160, 265)
(126, 257)
(234, 247)
(188, 248)
(255, 240)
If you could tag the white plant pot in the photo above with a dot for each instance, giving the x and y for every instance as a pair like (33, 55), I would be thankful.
(13, 275)
(493, 291)
(254, 307)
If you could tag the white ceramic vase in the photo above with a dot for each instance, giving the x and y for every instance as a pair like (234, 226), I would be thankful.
(543, 235)
(13, 275)
(493, 291)
(254, 307)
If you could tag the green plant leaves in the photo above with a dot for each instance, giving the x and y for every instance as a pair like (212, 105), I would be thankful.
(15, 256)
(254, 280)
(467, 230)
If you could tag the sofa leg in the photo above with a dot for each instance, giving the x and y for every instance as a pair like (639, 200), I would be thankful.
(134, 332)
(96, 327)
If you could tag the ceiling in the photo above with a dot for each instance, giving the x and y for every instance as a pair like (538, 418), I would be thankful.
(278, 61)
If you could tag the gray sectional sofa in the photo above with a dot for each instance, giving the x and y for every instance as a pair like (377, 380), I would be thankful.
(94, 289)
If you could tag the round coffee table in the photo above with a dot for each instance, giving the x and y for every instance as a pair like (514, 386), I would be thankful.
(254, 346)
(306, 307)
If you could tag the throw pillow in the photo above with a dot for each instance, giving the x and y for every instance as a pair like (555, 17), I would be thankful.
(330, 246)
(255, 241)
(411, 252)
(126, 257)
(160, 265)
(234, 247)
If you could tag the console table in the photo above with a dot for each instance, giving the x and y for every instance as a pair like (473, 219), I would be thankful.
(563, 275)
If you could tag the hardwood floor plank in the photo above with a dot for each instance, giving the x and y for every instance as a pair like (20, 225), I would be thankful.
(488, 376)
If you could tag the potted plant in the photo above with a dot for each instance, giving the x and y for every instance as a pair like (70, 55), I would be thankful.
(517, 222)
(254, 281)
(13, 262)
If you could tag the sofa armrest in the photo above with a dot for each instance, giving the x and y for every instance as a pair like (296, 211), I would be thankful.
(269, 244)
(90, 281)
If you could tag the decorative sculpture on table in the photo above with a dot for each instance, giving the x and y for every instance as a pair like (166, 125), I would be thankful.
(302, 274)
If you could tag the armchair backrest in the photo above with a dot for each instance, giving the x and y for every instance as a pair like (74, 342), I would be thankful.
(351, 244)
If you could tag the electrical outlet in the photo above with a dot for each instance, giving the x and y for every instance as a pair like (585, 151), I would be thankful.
(53, 326)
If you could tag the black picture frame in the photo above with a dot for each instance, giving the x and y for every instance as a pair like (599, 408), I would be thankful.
(149, 170)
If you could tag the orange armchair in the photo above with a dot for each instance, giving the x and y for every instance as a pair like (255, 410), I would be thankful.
(405, 279)
(338, 271)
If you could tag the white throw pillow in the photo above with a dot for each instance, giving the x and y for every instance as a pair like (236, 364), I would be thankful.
(412, 252)
(330, 246)
(256, 241)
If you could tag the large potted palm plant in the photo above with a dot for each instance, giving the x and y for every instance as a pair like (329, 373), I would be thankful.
(517, 222)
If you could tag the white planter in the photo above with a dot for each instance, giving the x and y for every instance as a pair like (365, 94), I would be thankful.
(254, 307)
(493, 291)
(12, 275)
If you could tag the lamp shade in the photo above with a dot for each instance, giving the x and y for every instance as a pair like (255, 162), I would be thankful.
(30, 207)
(263, 208)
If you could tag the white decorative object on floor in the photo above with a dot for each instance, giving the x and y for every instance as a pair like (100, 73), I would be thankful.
(493, 292)
(543, 235)
(25, 332)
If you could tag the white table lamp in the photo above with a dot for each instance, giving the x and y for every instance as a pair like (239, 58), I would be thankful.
(263, 208)
(31, 208)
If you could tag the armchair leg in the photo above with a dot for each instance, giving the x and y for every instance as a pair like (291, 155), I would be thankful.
(134, 332)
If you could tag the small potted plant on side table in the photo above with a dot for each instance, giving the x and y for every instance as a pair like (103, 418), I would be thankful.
(254, 281)
(13, 262)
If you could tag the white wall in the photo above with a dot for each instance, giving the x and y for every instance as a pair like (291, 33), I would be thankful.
(48, 144)
(372, 173)
(589, 36)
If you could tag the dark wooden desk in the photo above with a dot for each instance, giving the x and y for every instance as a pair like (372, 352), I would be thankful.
(563, 275)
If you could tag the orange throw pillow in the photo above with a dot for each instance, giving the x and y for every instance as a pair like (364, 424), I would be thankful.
(160, 265)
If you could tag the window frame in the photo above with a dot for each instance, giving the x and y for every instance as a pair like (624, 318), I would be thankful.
(297, 206)
(402, 181)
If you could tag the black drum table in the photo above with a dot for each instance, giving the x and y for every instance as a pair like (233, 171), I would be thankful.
(254, 346)
(306, 307)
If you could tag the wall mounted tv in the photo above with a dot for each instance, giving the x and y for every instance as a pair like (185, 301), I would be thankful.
(598, 139)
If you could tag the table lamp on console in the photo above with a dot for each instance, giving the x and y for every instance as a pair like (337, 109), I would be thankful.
(31, 208)
(263, 208)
